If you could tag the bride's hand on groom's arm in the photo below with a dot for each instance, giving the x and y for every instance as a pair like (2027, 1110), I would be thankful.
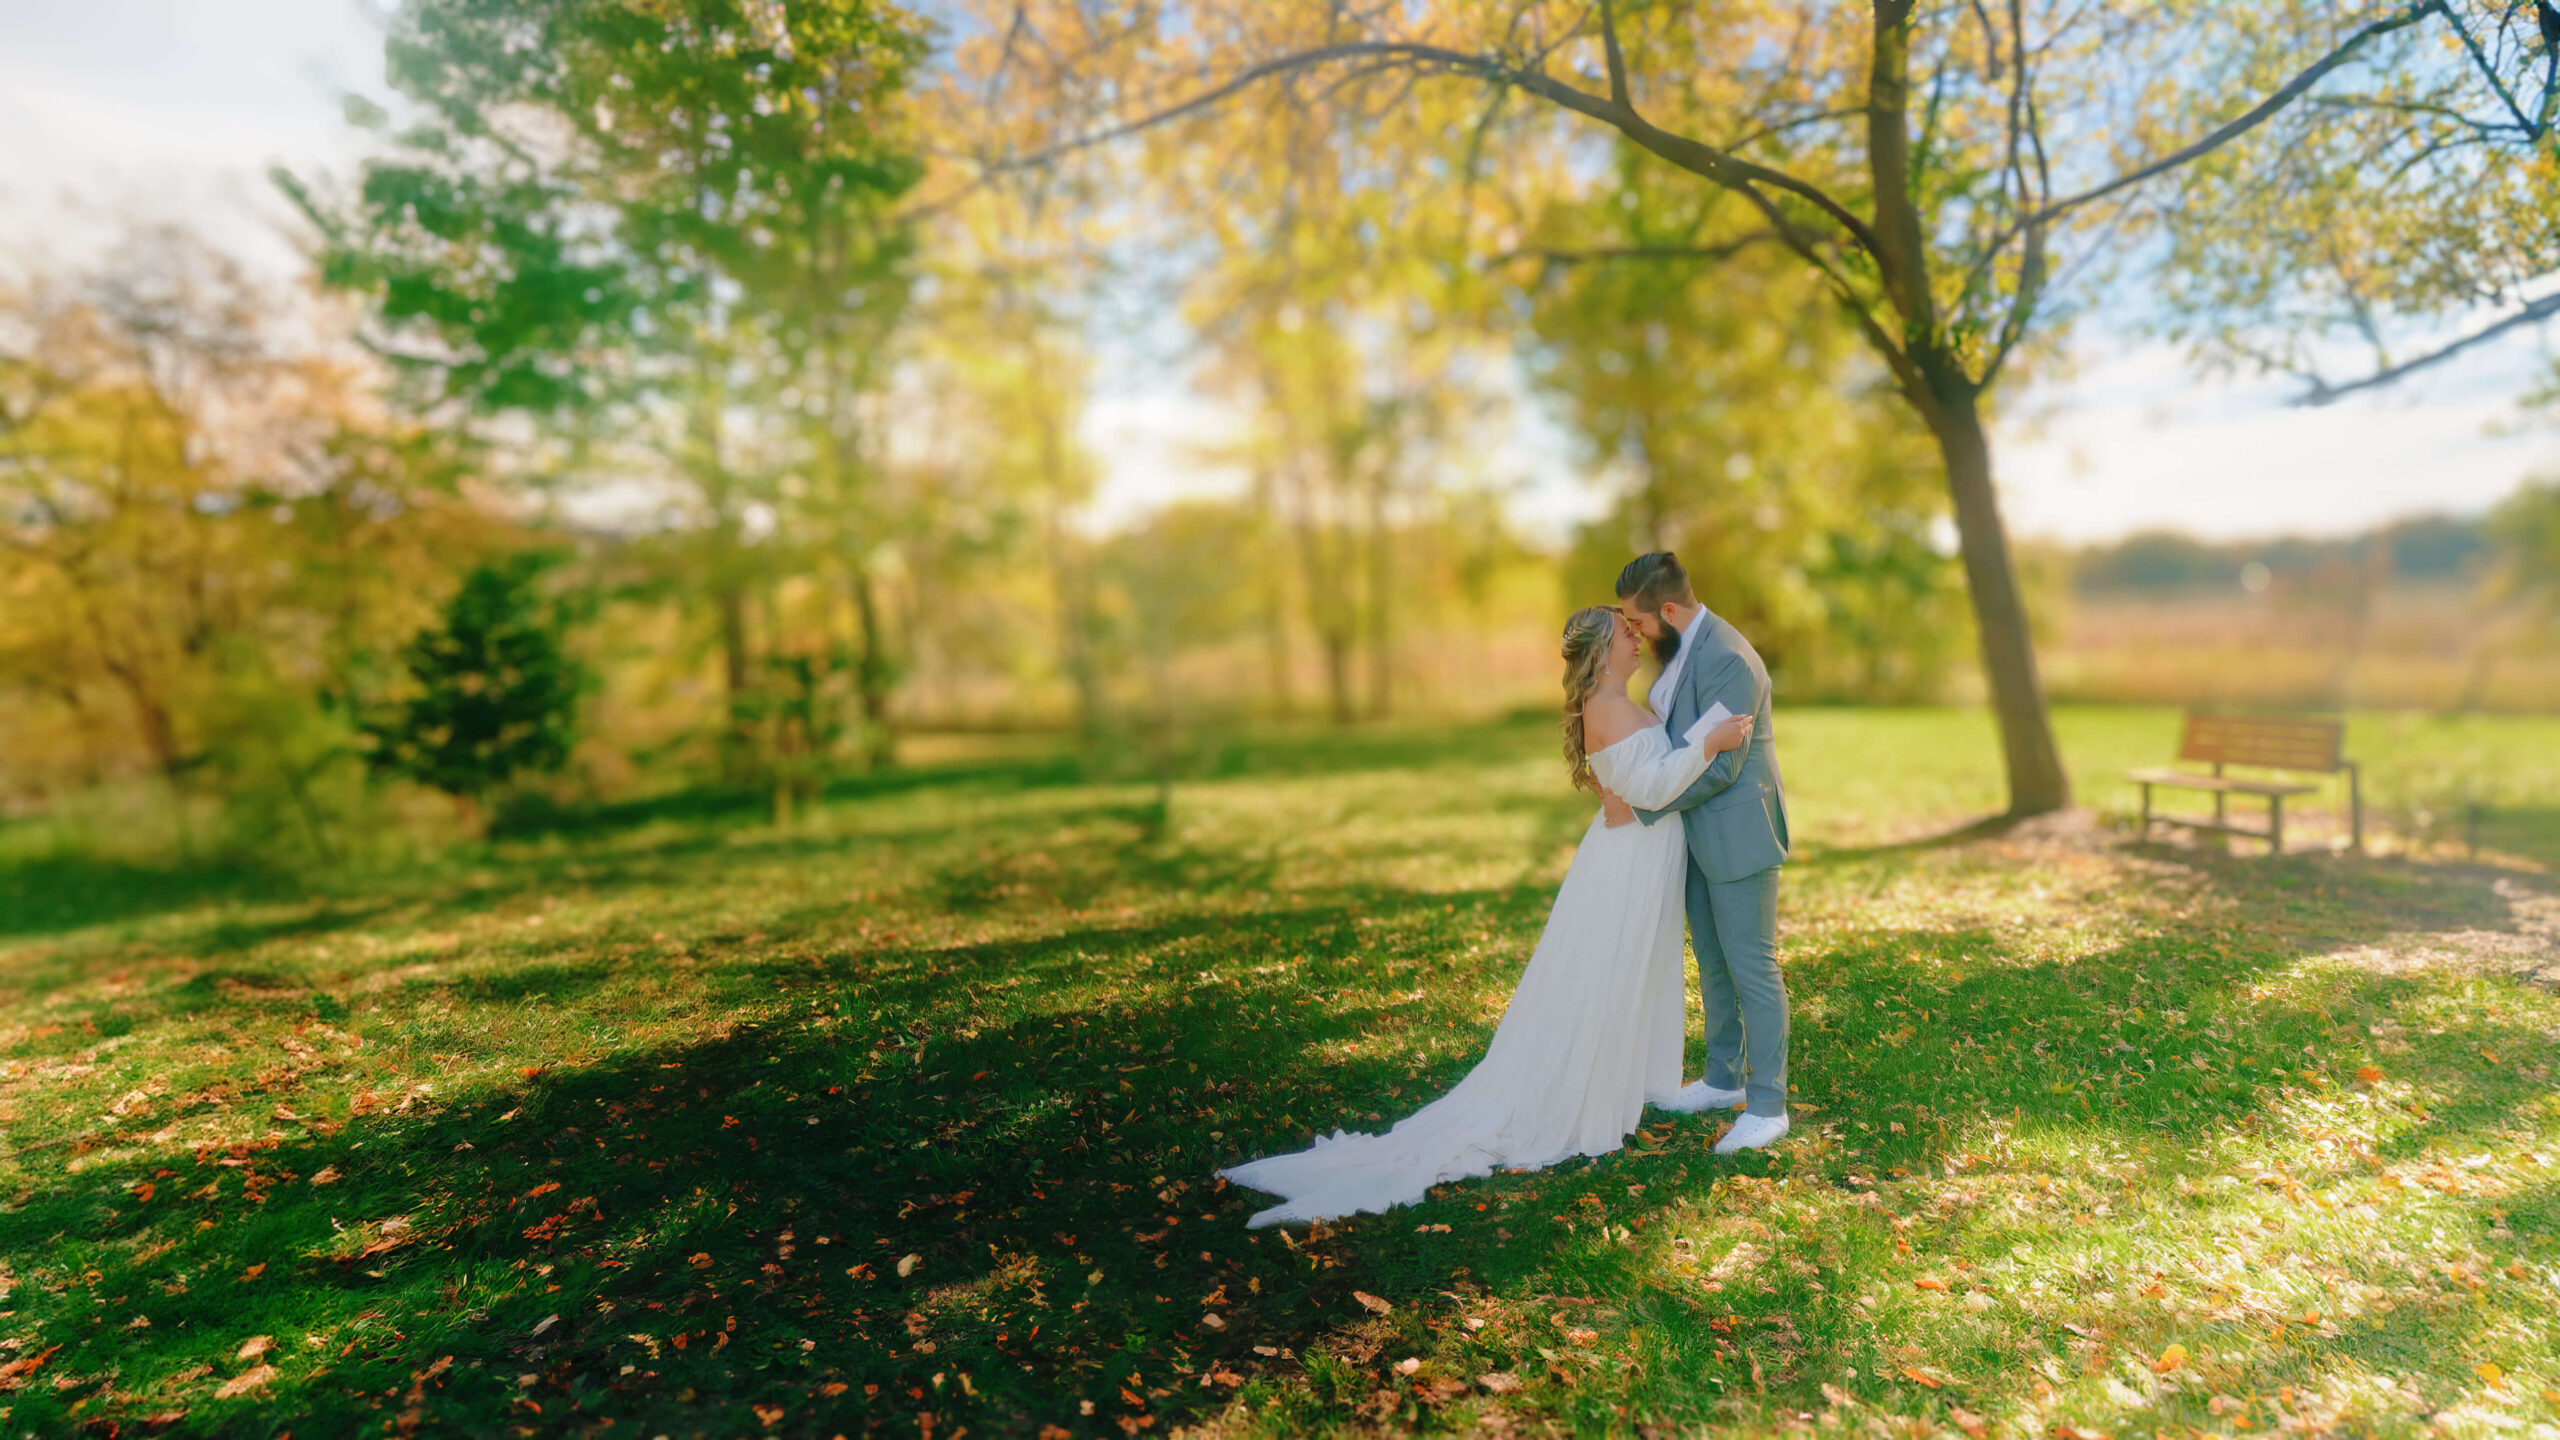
(1730, 734)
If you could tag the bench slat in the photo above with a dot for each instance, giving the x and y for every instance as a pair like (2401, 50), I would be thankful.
(2280, 744)
(2185, 781)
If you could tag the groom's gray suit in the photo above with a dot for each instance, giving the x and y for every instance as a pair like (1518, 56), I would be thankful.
(1735, 819)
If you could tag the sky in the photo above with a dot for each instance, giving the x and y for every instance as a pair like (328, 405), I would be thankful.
(174, 110)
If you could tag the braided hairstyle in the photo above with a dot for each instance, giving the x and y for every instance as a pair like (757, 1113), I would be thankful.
(1587, 633)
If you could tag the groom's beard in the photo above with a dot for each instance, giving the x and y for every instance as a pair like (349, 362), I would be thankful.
(1666, 646)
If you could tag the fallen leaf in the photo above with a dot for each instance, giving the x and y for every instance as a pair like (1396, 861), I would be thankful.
(1923, 1379)
(2368, 1073)
(771, 1415)
(1582, 1337)
(327, 1174)
(1475, 1322)
(253, 1347)
(1371, 1302)
(2170, 1359)
(1500, 1382)
(907, 1265)
(545, 1188)
(1265, 1351)
(246, 1381)
(2490, 1374)
(1968, 1422)
(15, 1373)
(545, 1323)
(1925, 1283)
(1213, 1321)
(1408, 1365)
(253, 1272)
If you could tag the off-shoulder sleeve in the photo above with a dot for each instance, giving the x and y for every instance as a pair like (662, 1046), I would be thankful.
(1646, 772)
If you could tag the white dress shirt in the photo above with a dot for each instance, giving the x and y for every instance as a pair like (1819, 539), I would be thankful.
(1660, 695)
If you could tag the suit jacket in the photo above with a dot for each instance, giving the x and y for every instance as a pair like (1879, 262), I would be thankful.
(1734, 815)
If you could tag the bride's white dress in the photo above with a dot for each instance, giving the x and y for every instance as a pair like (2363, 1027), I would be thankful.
(1592, 1033)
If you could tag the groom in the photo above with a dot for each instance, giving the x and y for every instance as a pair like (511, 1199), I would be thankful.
(1735, 820)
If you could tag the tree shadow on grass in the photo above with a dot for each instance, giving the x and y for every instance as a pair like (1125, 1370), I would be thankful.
(53, 894)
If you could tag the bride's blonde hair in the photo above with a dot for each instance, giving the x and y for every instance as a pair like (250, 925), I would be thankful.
(1587, 633)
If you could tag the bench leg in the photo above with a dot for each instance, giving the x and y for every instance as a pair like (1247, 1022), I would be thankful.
(2275, 824)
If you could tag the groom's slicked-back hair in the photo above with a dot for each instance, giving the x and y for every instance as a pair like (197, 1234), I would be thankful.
(1650, 580)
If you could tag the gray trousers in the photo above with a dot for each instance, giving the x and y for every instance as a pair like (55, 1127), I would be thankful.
(1734, 929)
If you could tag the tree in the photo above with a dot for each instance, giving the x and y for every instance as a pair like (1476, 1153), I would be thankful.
(2397, 218)
(495, 691)
(1941, 171)
(209, 533)
(668, 234)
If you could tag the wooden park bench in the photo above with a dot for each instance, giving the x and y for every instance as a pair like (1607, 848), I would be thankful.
(2309, 746)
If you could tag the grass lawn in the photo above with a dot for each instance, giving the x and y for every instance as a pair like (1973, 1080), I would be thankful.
(903, 1119)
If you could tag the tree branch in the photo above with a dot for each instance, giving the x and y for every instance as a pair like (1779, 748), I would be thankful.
(1701, 159)
(2249, 119)
(1632, 252)
(1617, 59)
(2322, 392)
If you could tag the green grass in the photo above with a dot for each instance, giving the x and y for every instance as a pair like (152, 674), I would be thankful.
(699, 1088)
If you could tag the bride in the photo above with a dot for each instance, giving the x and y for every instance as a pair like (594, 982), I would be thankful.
(1593, 1031)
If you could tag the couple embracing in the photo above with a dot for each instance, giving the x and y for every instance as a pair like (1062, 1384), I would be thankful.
(1594, 1029)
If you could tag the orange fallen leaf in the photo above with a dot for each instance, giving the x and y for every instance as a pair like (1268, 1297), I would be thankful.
(144, 1190)
(1925, 1283)
(1582, 1337)
(2368, 1073)
(2490, 1373)
(545, 1188)
(2170, 1359)
(253, 1272)
(1923, 1379)
(15, 1373)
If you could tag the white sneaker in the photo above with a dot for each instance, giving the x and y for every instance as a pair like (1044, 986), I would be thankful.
(1751, 1132)
(1698, 1095)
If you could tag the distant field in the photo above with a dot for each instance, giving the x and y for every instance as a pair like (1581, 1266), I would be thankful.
(902, 1120)
(2399, 647)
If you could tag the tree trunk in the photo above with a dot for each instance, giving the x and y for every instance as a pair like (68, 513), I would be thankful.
(1381, 585)
(1275, 601)
(872, 675)
(736, 667)
(1336, 644)
(2037, 782)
